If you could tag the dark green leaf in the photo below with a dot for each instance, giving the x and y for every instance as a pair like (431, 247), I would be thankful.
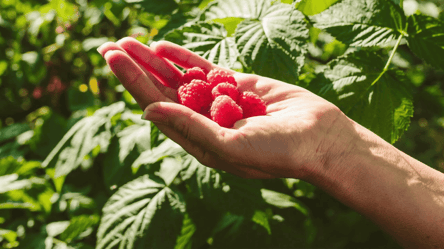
(385, 106)
(160, 7)
(363, 22)
(274, 44)
(426, 39)
(13, 131)
(144, 213)
(209, 40)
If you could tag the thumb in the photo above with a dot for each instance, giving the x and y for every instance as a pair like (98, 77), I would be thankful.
(185, 126)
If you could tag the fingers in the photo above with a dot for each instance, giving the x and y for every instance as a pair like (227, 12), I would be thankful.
(134, 79)
(143, 55)
(167, 91)
(199, 136)
(181, 56)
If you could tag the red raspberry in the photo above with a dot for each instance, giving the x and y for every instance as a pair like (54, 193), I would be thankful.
(252, 105)
(225, 111)
(196, 95)
(193, 73)
(226, 89)
(216, 76)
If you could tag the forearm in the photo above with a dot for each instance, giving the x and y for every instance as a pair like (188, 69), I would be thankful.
(402, 195)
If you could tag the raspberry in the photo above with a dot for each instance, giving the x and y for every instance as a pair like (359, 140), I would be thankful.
(216, 76)
(196, 95)
(193, 73)
(226, 89)
(225, 111)
(252, 105)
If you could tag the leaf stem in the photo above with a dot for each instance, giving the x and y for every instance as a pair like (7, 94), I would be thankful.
(389, 60)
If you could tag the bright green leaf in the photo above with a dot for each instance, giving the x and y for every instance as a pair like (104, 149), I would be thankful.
(209, 40)
(9, 235)
(275, 44)
(281, 200)
(363, 22)
(313, 7)
(261, 218)
(184, 240)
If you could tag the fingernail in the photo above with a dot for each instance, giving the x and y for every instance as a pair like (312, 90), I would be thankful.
(152, 115)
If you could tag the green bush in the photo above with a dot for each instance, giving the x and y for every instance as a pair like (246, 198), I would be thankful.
(80, 169)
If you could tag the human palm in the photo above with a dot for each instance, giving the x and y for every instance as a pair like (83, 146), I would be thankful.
(293, 138)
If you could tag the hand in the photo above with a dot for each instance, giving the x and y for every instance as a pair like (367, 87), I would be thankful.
(296, 137)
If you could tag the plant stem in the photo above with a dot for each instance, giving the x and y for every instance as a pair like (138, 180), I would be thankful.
(389, 60)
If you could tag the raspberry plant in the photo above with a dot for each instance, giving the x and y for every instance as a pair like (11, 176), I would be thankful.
(79, 169)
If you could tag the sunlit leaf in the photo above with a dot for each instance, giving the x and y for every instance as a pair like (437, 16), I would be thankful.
(209, 40)
(362, 22)
(275, 44)
(144, 213)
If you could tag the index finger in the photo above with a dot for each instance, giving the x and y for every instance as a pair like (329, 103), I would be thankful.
(182, 56)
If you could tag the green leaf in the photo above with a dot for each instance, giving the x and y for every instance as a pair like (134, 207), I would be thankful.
(165, 149)
(275, 44)
(426, 39)
(123, 151)
(230, 23)
(209, 40)
(222, 191)
(144, 213)
(313, 7)
(90, 43)
(281, 200)
(247, 9)
(55, 228)
(385, 106)
(13, 131)
(87, 134)
(9, 235)
(77, 225)
(261, 218)
(363, 22)
(184, 240)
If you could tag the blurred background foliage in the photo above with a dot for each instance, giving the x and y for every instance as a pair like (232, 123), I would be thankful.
(51, 77)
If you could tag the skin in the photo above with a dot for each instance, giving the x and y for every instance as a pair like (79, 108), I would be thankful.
(302, 136)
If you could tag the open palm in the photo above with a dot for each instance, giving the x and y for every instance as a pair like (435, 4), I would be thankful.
(293, 139)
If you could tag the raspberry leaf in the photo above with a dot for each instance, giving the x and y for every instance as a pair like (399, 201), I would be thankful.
(251, 9)
(144, 213)
(275, 44)
(209, 40)
(380, 100)
(313, 7)
(363, 22)
(84, 140)
(426, 39)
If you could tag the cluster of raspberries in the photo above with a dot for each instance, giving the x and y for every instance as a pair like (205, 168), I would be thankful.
(215, 95)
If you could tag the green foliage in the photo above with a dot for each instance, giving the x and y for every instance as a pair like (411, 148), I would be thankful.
(80, 169)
